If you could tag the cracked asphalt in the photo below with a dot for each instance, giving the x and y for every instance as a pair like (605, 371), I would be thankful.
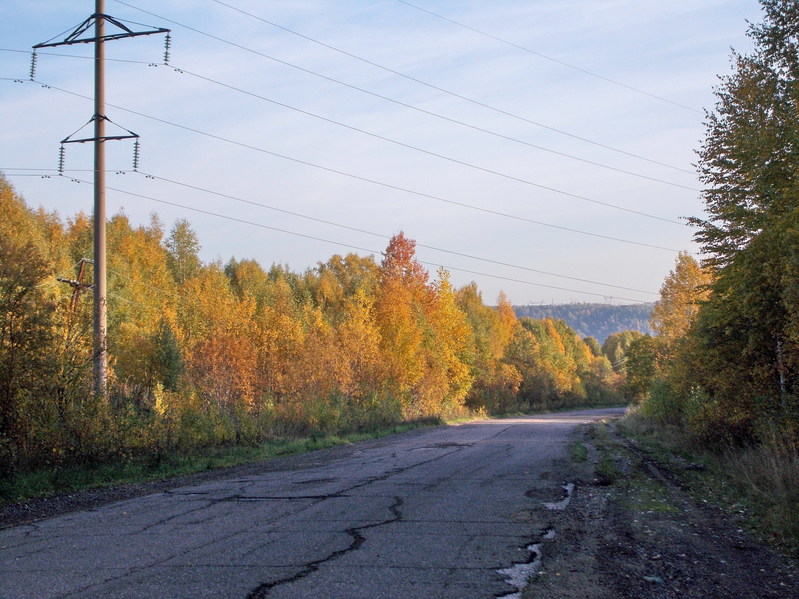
(435, 513)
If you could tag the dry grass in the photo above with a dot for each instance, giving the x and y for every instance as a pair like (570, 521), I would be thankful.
(761, 481)
(770, 474)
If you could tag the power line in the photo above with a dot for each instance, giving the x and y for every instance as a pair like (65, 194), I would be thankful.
(351, 246)
(174, 294)
(390, 185)
(119, 297)
(25, 175)
(185, 71)
(383, 236)
(453, 94)
(364, 231)
(75, 56)
(234, 44)
(237, 45)
(436, 154)
(325, 77)
(546, 57)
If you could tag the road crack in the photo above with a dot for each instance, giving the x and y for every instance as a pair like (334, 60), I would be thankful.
(358, 539)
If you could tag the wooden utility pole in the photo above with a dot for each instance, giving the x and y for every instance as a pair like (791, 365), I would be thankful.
(77, 285)
(98, 19)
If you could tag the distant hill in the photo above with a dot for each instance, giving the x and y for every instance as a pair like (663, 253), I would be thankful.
(594, 320)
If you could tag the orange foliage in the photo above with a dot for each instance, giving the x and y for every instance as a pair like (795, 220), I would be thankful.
(350, 343)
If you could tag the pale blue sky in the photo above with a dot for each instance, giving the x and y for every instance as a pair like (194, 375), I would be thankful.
(673, 49)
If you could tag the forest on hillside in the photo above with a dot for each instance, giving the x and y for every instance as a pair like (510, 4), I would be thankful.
(205, 354)
(594, 320)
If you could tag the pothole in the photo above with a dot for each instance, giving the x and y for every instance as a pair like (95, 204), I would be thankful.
(518, 575)
(563, 503)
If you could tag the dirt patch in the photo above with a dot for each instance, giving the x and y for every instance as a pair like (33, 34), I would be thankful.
(631, 531)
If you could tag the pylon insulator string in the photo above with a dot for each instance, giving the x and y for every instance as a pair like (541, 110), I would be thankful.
(167, 47)
(34, 58)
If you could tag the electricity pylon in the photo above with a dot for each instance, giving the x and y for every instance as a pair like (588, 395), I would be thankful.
(98, 20)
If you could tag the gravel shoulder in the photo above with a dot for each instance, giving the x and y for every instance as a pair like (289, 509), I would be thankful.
(632, 531)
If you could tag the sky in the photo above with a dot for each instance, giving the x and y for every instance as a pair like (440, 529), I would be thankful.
(544, 148)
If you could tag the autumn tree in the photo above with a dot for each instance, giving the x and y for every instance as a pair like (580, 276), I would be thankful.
(20, 224)
(142, 295)
(593, 346)
(496, 382)
(403, 296)
(168, 359)
(642, 363)
(663, 361)
(26, 335)
(449, 352)
(247, 279)
(557, 367)
(280, 337)
(359, 338)
(183, 247)
(617, 345)
(681, 296)
(220, 354)
(745, 346)
(353, 272)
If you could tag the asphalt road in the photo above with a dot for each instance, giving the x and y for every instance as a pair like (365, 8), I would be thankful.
(434, 514)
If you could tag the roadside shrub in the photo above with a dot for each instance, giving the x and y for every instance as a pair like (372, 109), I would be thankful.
(663, 404)
(716, 425)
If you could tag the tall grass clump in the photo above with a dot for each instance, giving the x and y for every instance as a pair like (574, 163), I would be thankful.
(769, 473)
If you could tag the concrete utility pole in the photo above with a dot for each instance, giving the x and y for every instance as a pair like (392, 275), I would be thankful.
(100, 298)
(98, 19)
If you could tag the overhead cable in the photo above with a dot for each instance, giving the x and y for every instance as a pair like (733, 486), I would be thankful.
(436, 154)
(351, 228)
(546, 57)
(185, 71)
(381, 183)
(453, 94)
(384, 236)
(351, 246)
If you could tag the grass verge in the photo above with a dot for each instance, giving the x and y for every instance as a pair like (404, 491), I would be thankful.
(609, 454)
(579, 452)
(759, 485)
(47, 482)
(627, 470)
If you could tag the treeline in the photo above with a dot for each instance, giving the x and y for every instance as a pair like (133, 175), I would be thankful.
(209, 354)
(599, 321)
(722, 373)
(724, 365)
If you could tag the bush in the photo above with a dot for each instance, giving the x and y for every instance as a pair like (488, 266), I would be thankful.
(663, 405)
(716, 425)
